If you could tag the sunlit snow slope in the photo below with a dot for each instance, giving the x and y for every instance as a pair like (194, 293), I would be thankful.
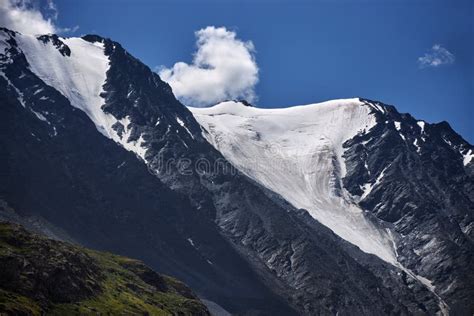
(297, 153)
(80, 77)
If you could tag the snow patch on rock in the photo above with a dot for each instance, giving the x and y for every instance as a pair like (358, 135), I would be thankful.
(180, 122)
(467, 157)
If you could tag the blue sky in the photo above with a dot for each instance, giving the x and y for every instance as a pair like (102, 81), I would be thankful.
(311, 51)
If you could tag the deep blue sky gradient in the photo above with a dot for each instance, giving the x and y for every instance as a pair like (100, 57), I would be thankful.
(311, 51)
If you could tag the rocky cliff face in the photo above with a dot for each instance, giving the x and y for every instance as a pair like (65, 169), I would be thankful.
(421, 181)
(119, 164)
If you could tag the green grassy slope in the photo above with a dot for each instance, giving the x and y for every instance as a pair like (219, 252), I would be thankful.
(39, 275)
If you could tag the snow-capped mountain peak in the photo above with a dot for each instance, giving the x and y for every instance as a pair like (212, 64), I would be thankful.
(77, 68)
(297, 153)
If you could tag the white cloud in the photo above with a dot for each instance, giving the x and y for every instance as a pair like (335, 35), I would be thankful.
(26, 17)
(436, 56)
(223, 68)
(22, 16)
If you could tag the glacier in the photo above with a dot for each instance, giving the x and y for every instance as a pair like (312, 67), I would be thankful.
(297, 153)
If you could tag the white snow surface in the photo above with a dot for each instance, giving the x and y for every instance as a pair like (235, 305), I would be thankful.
(467, 157)
(191, 242)
(421, 124)
(398, 126)
(180, 122)
(297, 153)
(367, 188)
(415, 143)
(18, 92)
(80, 78)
